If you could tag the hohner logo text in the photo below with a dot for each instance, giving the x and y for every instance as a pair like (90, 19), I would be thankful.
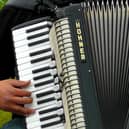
(80, 41)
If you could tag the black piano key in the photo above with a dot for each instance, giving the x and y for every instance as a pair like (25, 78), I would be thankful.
(37, 35)
(40, 59)
(48, 117)
(45, 101)
(40, 69)
(50, 110)
(38, 42)
(41, 76)
(37, 28)
(51, 124)
(44, 83)
(39, 52)
(44, 94)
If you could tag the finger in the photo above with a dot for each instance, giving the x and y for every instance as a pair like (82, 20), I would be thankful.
(21, 92)
(18, 83)
(18, 109)
(21, 100)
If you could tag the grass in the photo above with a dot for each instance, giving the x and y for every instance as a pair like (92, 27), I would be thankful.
(2, 3)
(4, 117)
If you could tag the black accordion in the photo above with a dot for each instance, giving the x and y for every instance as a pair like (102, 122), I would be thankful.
(78, 66)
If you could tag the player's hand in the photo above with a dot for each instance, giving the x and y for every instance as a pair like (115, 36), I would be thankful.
(13, 97)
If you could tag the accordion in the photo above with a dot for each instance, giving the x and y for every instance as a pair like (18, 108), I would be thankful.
(78, 66)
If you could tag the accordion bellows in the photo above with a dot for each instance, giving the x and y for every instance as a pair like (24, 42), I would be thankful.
(108, 27)
(109, 42)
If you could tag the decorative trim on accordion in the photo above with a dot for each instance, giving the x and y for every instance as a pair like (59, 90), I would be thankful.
(69, 74)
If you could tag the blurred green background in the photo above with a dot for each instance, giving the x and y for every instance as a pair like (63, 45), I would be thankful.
(2, 3)
(4, 116)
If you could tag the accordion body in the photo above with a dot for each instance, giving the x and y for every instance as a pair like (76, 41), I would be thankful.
(81, 60)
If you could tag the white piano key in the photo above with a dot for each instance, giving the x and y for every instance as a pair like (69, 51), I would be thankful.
(51, 120)
(23, 29)
(45, 55)
(55, 88)
(36, 106)
(34, 95)
(43, 80)
(27, 48)
(28, 42)
(58, 105)
(41, 102)
(50, 65)
(29, 74)
(28, 65)
(26, 35)
(45, 97)
(34, 125)
(30, 70)
(34, 49)
(36, 56)
(38, 123)
(36, 128)
(57, 126)
(33, 77)
(37, 116)
(32, 87)
(39, 48)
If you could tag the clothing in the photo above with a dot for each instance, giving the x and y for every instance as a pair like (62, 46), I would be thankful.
(25, 4)
(17, 123)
